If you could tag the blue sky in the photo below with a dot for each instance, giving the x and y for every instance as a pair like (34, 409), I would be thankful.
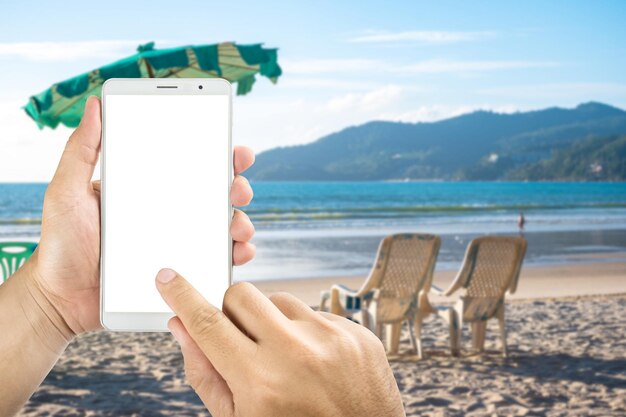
(344, 62)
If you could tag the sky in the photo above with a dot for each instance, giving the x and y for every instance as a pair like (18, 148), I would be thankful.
(344, 63)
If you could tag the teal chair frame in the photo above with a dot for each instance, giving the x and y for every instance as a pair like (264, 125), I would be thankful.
(13, 255)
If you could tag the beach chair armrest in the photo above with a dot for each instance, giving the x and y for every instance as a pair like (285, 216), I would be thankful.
(436, 290)
(346, 291)
(343, 290)
(350, 299)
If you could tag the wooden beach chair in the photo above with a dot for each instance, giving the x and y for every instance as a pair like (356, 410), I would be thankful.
(404, 266)
(13, 255)
(490, 269)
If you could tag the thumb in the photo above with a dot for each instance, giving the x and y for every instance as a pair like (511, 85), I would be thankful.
(81, 151)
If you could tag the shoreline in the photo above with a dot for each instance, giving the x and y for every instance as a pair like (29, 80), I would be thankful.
(320, 253)
(536, 282)
(578, 275)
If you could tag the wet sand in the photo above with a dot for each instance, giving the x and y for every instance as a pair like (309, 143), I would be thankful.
(567, 357)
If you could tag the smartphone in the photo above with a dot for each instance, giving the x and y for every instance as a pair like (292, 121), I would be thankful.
(166, 171)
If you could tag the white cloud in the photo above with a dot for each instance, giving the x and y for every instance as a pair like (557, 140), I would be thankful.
(445, 66)
(286, 122)
(321, 82)
(421, 36)
(68, 51)
(319, 66)
(427, 113)
(30, 154)
(430, 66)
(372, 100)
(582, 91)
(436, 112)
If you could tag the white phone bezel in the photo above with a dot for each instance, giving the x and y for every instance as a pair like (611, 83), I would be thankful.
(132, 321)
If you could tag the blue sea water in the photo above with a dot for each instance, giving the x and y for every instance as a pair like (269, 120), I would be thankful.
(438, 206)
(315, 229)
(20, 209)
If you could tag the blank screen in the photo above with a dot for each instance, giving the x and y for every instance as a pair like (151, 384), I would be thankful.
(166, 201)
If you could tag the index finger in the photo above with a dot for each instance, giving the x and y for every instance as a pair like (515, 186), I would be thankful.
(220, 340)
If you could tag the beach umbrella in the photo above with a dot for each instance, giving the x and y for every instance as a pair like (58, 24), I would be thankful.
(64, 101)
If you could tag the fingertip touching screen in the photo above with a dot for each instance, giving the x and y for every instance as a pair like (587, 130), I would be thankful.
(166, 203)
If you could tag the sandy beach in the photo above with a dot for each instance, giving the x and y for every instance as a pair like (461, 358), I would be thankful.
(566, 340)
(566, 280)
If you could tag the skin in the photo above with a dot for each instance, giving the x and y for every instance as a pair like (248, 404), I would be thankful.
(55, 295)
(276, 356)
(258, 357)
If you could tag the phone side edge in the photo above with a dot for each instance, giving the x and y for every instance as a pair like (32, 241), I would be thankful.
(231, 176)
(105, 87)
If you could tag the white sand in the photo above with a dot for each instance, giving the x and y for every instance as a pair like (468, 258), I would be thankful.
(568, 280)
(567, 357)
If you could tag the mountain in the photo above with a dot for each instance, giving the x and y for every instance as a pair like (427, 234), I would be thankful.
(592, 159)
(480, 145)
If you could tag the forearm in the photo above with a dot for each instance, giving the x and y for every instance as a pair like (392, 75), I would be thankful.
(32, 337)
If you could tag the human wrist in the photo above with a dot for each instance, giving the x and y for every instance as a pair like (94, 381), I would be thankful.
(32, 338)
(40, 311)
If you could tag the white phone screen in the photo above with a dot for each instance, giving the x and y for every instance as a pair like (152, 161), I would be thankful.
(166, 200)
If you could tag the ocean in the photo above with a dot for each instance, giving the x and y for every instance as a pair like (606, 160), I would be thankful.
(315, 229)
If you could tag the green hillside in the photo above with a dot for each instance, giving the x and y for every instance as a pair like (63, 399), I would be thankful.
(593, 159)
(478, 146)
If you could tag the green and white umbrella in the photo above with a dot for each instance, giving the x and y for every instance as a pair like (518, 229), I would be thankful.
(64, 101)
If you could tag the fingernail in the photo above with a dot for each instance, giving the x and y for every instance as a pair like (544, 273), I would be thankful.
(165, 275)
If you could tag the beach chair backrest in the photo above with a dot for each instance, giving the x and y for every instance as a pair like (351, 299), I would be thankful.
(492, 265)
(407, 262)
(13, 255)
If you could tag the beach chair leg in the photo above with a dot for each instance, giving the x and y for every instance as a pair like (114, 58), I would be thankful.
(418, 338)
(378, 330)
(393, 337)
(410, 323)
(502, 324)
(366, 319)
(479, 328)
(452, 317)
(335, 303)
(455, 332)
(324, 297)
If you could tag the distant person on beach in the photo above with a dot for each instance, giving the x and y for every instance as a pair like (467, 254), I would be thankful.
(258, 356)
(521, 221)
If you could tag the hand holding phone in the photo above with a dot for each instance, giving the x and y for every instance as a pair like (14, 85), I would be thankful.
(55, 294)
(65, 265)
